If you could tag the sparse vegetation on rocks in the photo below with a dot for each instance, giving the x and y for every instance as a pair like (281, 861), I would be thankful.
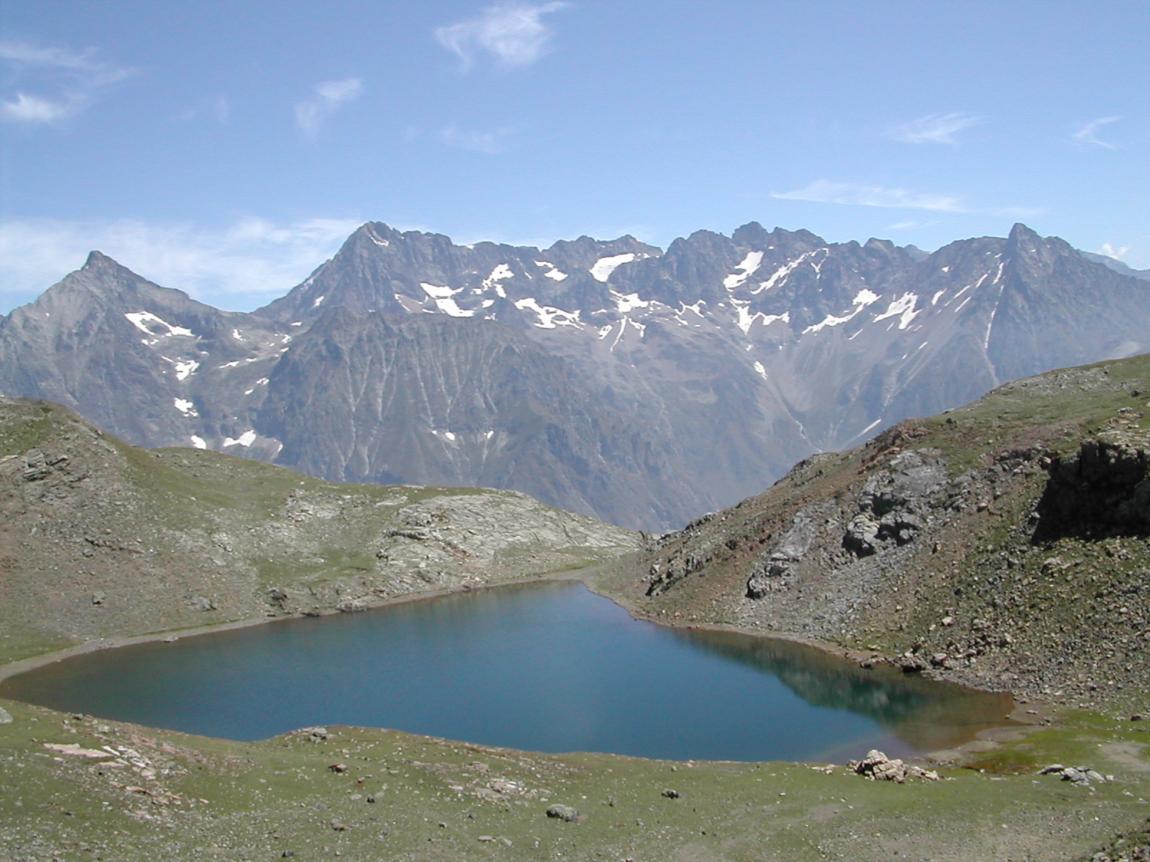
(981, 546)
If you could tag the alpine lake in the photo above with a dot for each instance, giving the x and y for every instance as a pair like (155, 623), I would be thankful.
(547, 667)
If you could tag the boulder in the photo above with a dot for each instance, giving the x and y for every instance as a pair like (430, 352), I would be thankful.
(563, 812)
(878, 767)
(861, 537)
(203, 603)
(908, 662)
(1080, 776)
(35, 466)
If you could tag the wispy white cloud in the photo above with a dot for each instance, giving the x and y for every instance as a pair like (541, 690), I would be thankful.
(23, 108)
(935, 128)
(46, 84)
(910, 224)
(238, 265)
(487, 141)
(513, 33)
(1117, 253)
(218, 110)
(326, 98)
(1088, 134)
(857, 194)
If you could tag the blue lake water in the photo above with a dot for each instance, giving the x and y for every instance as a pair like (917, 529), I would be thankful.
(546, 667)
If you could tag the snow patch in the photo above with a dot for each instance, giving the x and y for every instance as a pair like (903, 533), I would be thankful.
(746, 318)
(186, 407)
(500, 273)
(186, 369)
(695, 307)
(552, 271)
(443, 299)
(622, 330)
(246, 439)
(862, 299)
(974, 286)
(780, 274)
(937, 296)
(762, 372)
(148, 323)
(237, 335)
(903, 308)
(198, 442)
(439, 291)
(548, 317)
(744, 270)
(627, 302)
(604, 266)
(318, 301)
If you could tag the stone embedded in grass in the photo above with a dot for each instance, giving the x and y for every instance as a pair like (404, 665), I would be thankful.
(878, 767)
(5, 716)
(563, 812)
(1080, 776)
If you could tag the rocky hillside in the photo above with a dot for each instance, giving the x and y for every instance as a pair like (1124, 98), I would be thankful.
(99, 538)
(607, 377)
(1003, 544)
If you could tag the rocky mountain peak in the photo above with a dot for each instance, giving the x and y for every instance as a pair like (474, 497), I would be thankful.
(100, 280)
(1020, 233)
(751, 234)
(883, 245)
(97, 261)
(603, 375)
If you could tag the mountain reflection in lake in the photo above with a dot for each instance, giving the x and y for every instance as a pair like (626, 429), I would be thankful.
(545, 667)
(923, 714)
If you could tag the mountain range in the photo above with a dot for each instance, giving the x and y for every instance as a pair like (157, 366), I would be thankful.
(614, 378)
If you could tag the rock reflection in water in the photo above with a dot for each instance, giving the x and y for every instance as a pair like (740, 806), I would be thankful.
(549, 667)
(922, 713)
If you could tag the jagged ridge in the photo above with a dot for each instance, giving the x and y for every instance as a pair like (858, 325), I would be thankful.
(642, 385)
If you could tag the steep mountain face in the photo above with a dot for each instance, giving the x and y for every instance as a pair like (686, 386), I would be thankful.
(149, 362)
(613, 378)
(463, 402)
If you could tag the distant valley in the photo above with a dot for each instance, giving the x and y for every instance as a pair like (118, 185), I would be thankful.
(613, 378)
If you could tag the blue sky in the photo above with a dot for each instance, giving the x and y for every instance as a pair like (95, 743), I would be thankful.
(228, 148)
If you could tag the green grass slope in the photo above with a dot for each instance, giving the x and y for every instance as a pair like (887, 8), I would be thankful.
(99, 539)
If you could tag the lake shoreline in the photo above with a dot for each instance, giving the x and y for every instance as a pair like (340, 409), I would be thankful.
(1024, 716)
